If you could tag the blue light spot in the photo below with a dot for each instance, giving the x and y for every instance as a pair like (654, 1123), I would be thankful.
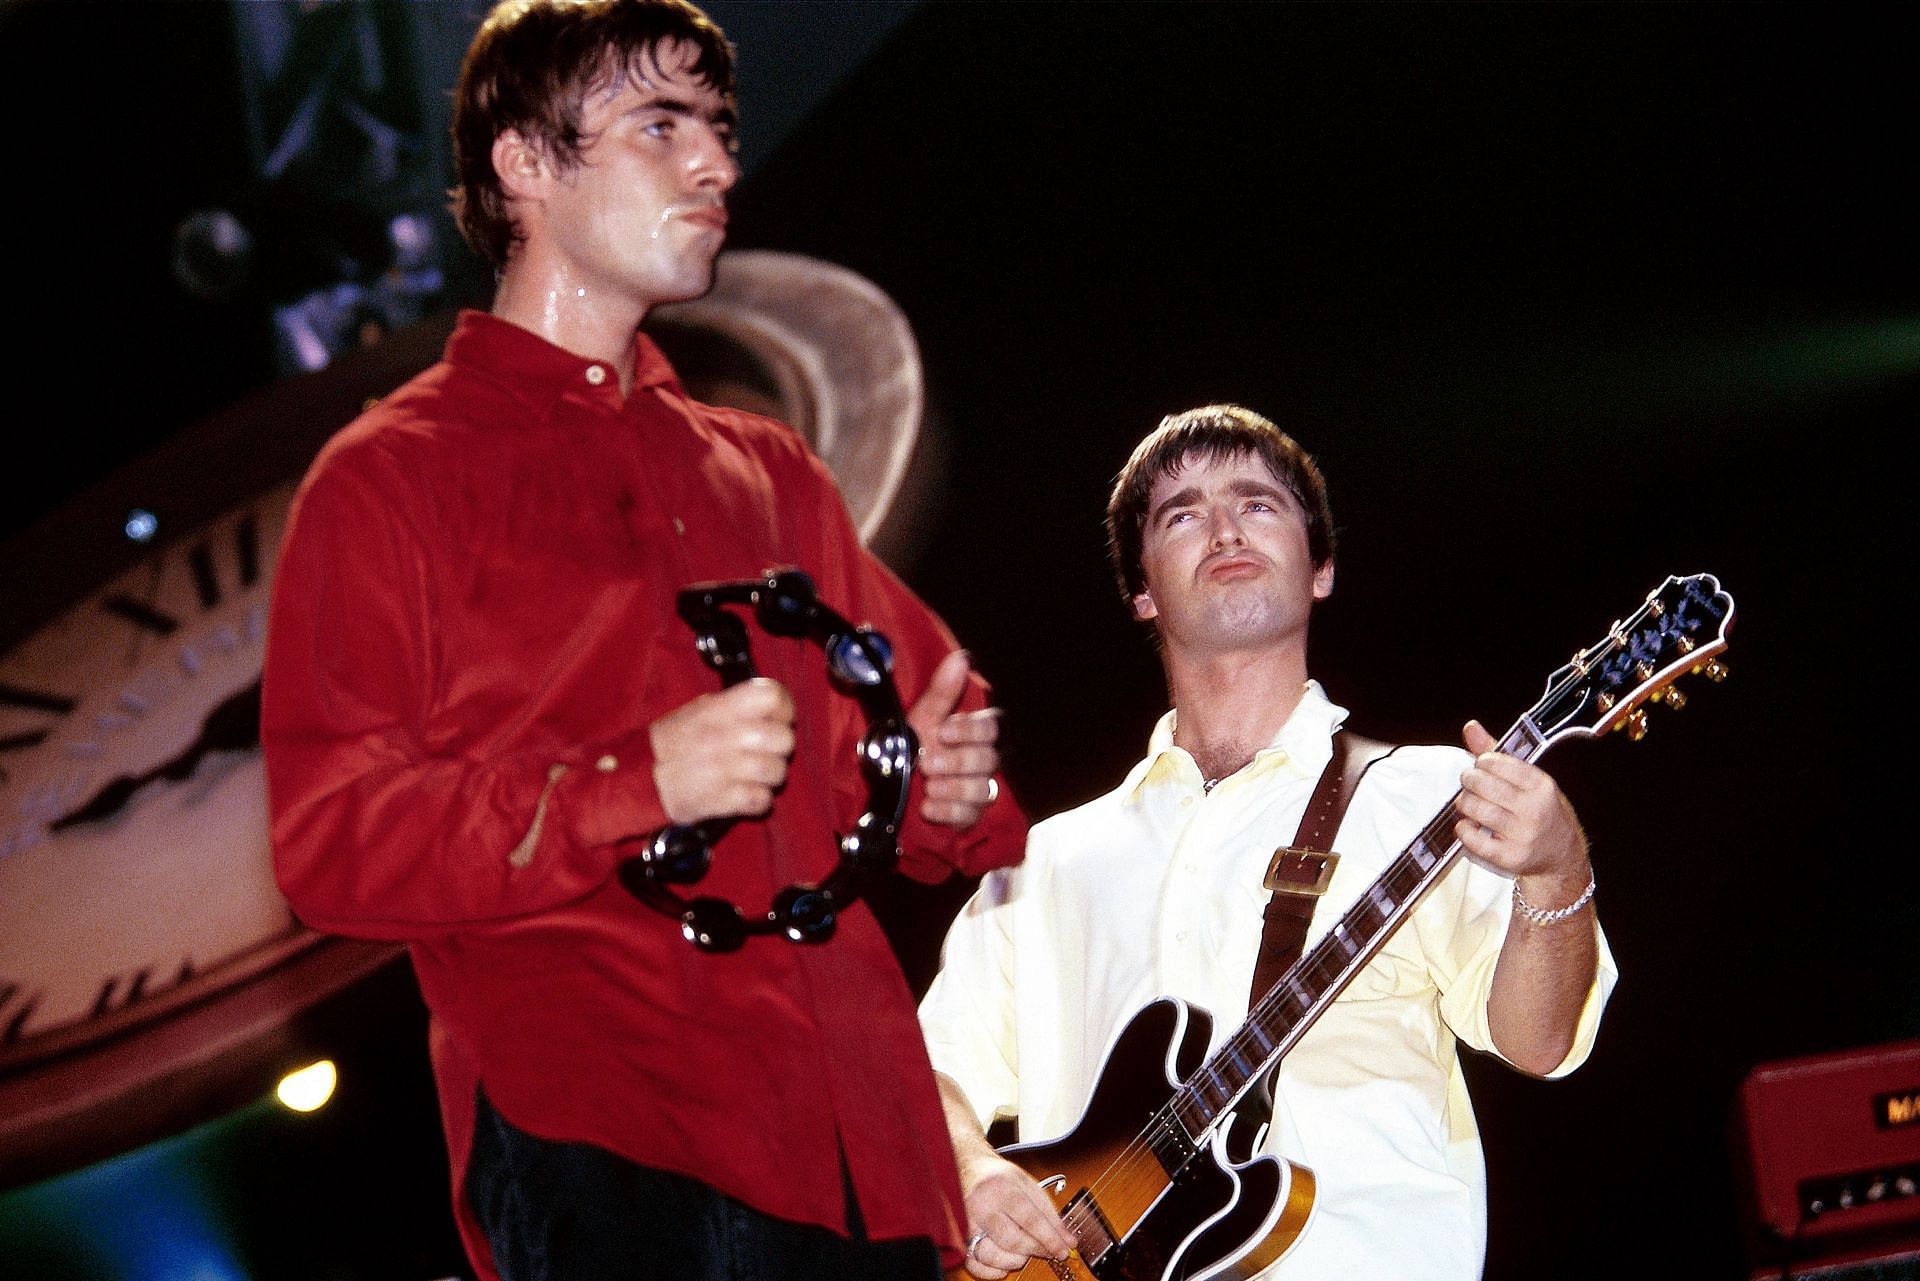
(142, 525)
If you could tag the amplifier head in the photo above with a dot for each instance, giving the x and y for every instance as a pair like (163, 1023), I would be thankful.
(1831, 1148)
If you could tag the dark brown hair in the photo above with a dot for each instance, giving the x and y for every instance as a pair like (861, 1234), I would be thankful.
(530, 67)
(1208, 433)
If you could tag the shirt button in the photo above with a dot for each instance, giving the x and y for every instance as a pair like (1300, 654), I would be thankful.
(596, 374)
(607, 764)
(1185, 801)
(679, 527)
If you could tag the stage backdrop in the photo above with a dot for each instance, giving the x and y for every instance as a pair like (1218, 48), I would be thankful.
(1564, 298)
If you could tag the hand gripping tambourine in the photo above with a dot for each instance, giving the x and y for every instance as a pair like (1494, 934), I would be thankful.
(860, 663)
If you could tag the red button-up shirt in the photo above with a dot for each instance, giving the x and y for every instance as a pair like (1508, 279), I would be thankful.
(472, 628)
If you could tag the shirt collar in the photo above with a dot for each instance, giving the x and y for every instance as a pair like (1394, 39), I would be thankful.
(1305, 743)
(541, 370)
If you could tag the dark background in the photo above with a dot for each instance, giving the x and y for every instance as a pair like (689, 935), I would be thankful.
(1565, 298)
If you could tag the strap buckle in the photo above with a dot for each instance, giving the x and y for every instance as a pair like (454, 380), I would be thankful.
(1300, 871)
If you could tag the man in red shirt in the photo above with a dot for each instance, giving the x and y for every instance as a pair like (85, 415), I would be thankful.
(477, 689)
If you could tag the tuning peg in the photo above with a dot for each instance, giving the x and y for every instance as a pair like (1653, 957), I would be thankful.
(1637, 725)
(1715, 670)
(1673, 697)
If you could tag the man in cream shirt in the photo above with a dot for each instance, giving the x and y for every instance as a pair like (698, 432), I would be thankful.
(1223, 542)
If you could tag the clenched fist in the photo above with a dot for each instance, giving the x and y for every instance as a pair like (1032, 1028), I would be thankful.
(724, 755)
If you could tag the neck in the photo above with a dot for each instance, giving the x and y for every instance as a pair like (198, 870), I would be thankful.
(1232, 705)
(587, 321)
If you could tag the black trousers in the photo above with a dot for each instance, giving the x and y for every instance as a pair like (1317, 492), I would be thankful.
(575, 1212)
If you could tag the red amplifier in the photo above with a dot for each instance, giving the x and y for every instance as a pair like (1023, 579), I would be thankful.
(1832, 1149)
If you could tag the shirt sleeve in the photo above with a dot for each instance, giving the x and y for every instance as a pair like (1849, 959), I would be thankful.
(1464, 959)
(1461, 924)
(382, 825)
(967, 1015)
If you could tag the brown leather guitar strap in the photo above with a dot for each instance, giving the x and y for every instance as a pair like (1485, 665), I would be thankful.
(1299, 873)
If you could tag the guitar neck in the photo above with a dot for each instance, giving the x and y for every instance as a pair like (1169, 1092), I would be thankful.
(1280, 1017)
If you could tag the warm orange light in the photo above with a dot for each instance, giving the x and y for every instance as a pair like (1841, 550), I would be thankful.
(307, 1089)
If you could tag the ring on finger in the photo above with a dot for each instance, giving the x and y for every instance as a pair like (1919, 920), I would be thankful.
(973, 1243)
(993, 789)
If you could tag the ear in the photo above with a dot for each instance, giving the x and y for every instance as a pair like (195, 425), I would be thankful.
(1143, 607)
(520, 165)
(1323, 581)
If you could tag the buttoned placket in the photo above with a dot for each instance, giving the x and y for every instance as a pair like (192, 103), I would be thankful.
(1218, 837)
(604, 396)
(1189, 890)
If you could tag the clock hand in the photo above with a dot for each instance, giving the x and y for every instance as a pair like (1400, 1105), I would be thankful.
(232, 726)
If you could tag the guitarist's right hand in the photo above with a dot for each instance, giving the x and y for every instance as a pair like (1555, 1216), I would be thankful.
(1010, 1218)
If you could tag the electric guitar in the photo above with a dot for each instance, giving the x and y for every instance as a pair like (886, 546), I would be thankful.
(1158, 1179)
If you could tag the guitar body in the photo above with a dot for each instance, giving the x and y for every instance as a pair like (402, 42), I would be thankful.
(1213, 1216)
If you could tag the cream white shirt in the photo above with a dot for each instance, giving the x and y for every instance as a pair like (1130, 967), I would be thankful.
(1154, 889)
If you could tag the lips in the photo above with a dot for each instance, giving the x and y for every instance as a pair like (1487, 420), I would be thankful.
(1232, 565)
(711, 217)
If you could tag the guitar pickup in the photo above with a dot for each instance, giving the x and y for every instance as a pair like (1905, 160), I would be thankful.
(1297, 871)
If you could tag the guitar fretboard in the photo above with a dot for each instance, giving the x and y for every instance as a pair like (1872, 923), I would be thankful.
(1278, 1020)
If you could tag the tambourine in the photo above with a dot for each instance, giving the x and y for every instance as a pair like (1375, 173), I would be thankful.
(859, 663)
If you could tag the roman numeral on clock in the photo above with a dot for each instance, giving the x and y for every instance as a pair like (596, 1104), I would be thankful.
(31, 700)
(206, 584)
(116, 992)
(246, 546)
(35, 700)
(141, 615)
(16, 1007)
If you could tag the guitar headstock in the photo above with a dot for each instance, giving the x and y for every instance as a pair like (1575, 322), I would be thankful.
(1681, 629)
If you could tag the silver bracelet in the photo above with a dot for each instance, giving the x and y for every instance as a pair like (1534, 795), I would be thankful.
(1540, 916)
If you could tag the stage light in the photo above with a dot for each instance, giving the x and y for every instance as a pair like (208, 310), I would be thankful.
(307, 1089)
(142, 525)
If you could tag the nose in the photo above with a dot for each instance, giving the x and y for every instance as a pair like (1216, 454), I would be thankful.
(1223, 530)
(712, 163)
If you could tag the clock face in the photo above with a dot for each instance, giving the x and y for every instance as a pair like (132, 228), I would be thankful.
(134, 864)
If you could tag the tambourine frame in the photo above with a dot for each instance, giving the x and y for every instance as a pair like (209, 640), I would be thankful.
(860, 664)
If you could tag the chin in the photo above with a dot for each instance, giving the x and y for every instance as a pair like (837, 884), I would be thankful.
(685, 286)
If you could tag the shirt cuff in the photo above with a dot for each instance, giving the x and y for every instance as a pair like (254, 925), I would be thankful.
(615, 797)
(931, 852)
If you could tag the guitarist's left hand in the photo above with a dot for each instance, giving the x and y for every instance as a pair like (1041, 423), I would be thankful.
(1518, 823)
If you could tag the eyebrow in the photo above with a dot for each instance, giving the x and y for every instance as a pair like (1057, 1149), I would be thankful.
(1241, 488)
(722, 115)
